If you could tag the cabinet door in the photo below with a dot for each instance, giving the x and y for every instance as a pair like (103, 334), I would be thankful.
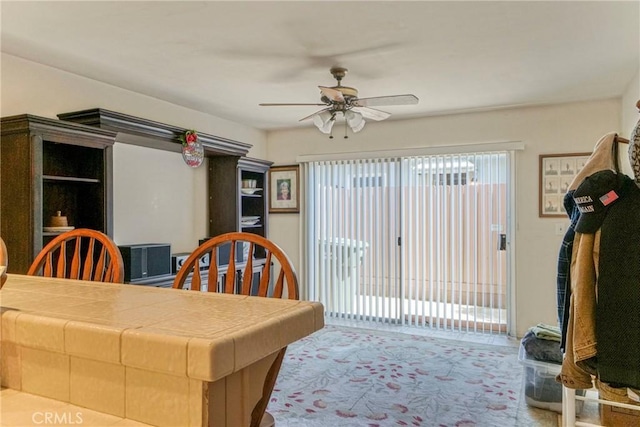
(223, 195)
(19, 199)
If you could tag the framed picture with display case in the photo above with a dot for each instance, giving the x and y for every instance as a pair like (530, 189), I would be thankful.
(557, 172)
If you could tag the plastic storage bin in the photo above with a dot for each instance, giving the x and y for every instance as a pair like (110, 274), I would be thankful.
(541, 389)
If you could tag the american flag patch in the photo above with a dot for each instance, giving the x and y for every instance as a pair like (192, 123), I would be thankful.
(609, 198)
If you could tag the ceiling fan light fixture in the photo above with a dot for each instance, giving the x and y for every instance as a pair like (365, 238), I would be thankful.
(344, 99)
(324, 121)
(355, 120)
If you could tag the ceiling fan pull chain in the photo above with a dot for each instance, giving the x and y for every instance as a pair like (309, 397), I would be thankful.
(345, 128)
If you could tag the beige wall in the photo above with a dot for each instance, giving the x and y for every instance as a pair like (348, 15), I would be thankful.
(563, 128)
(157, 198)
(629, 110)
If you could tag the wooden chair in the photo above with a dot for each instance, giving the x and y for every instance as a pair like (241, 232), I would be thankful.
(81, 254)
(4, 262)
(244, 264)
(229, 275)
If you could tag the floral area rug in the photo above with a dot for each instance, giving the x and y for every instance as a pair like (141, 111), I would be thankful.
(344, 376)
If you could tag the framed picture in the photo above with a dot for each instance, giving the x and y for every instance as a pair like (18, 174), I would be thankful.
(557, 172)
(284, 189)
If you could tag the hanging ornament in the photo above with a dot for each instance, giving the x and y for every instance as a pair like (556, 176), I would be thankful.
(192, 149)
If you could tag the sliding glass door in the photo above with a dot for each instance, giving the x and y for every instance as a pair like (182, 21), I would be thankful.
(453, 252)
(410, 240)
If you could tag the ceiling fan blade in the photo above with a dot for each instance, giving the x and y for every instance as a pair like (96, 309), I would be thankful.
(287, 105)
(331, 93)
(386, 100)
(371, 113)
(316, 113)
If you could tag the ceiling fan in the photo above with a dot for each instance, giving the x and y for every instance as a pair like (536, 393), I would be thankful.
(344, 100)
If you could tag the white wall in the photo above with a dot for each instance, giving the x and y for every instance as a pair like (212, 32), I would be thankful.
(566, 128)
(629, 110)
(157, 198)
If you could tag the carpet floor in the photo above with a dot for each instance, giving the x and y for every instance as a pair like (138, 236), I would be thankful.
(346, 376)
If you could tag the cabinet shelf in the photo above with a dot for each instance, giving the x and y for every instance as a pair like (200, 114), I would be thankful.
(70, 179)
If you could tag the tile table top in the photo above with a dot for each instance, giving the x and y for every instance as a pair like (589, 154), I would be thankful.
(204, 336)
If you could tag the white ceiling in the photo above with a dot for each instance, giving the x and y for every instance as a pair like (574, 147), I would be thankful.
(223, 58)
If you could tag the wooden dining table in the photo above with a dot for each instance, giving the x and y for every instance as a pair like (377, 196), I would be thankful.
(164, 357)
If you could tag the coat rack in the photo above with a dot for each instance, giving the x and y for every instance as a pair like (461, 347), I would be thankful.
(568, 394)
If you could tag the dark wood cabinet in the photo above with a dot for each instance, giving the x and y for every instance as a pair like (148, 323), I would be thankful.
(232, 208)
(49, 165)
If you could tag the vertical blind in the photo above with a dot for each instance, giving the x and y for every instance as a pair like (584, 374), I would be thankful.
(409, 240)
